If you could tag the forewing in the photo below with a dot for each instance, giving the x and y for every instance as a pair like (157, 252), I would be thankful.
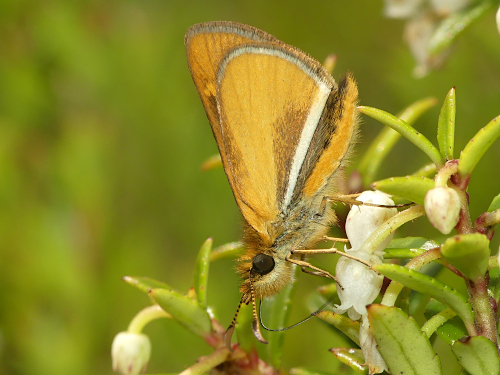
(270, 99)
(206, 46)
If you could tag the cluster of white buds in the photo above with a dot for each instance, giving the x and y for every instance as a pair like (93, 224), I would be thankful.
(360, 284)
(423, 17)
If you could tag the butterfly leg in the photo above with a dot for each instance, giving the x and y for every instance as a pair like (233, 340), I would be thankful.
(313, 270)
(303, 253)
(350, 199)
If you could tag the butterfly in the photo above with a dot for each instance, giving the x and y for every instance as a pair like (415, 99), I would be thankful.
(284, 129)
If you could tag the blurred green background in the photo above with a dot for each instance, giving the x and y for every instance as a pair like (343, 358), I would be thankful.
(102, 135)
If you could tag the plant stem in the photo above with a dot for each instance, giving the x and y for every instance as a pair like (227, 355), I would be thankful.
(436, 321)
(382, 232)
(145, 316)
(485, 317)
(207, 363)
(394, 288)
(464, 225)
(444, 174)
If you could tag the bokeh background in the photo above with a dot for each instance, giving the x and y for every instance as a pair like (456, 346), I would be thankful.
(102, 135)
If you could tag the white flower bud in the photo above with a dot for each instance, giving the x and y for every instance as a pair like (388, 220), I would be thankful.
(130, 353)
(445, 8)
(401, 8)
(442, 206)
(498, 20)
(362, 221)
(373, 359)
(361, 285)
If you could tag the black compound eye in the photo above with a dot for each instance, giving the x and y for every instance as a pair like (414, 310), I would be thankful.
(263, 264)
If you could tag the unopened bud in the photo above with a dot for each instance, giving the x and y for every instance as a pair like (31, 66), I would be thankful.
(498, 20)
(442, 206)
(130, 353)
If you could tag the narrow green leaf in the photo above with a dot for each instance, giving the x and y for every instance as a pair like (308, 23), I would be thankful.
(477, 355)
(477, 146)
(495, 204)
(403, 300)
(405, 349)
(430, 286)
(387, 138)
(469, 253)
(349, 327)
(451, 330)
(183, 309)
(446, 126)
(409, 187)
(406, 131)
(437, 321)
(428, 170)
(351, 357)
(243, 329)
(201, 273)
(145, 284)
(229, 250)
(455, 24)
(212, 162)
(409, 243)
(402, 253)
(305, 371)
(277, 314)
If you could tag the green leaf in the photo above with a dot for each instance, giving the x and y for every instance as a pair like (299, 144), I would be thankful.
(408, 247)
(446, 126)
(305, 371)
(430, 286)
(243, 329)
(406, 131)
(428, 170)
(405, 349)
(409, 243)
(495, 204)
(229, 250)
(349, 327)
(387, 138)
(277, 314)
(451, 330)
(455, 24)
(477, 355)
(469, 253)
(477, 146)
(403, 300)
(201, 273)
(409, 187)
(351, 357)
(183, 309)
(145, 284)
